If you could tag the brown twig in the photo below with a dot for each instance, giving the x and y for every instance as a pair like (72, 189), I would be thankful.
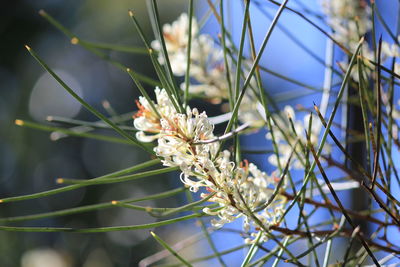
(380, 203)
(351, 174)
(344, 212)
(288, 231)
(339, 145)
(336, 208)
(345, 232)
(214, 10)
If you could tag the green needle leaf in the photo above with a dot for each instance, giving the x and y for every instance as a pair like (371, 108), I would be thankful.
(86, 105)
(252, 251)
(76, 186)
(99, 229)
(167, 247)
(47, 128)
(89, 208)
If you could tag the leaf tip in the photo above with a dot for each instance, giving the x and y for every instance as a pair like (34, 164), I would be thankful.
(59, 180)
(19, 122)
(130, 12)
(74, 40)
(54, 136)
(49, 118)
(28, 48)
(316, 108)
(106, 104)
(42, 12)
(114, 202)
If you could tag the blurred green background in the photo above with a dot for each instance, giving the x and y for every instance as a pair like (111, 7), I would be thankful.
(30, 162)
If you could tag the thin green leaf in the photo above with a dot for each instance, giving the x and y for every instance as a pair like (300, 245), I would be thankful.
(87, 124)
(47, 128)
(72, 187)
(167, 247)
(143, 91)
(155, 16)
(119, 179)
(188, 206)
(348, 218)
(99, 229)
(88, 46)
(327, 128)
(328, 251)
(86, 105)
(254, 66)
(201, 259)
(252, 251)
(188, 55)
(118, 48)
(241, 47)
(88, 208)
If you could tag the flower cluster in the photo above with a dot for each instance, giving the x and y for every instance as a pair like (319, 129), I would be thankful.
(350, 19)
(147, 119)
(392, 51)
(206, 60)
(207, 66)
(239, 191)
(208, 70)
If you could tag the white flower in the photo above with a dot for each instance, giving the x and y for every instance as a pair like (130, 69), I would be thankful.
(349, 20)
(44, 257)
(396, 111)
(286, 137)
(240, 191)
(146, 119)
(207, 67)
(390, 50)
(176, 39)
(178, 134)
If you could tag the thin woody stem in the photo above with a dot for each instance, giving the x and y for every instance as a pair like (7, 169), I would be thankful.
(329, 205)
